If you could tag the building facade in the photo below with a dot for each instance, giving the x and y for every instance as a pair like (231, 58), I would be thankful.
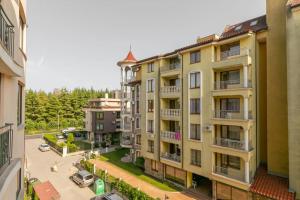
(103, 121)
(12, 83)
(221, 115)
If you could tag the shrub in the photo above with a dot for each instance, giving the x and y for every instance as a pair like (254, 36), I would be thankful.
(70, 138)
(139, 162)
(72, 147)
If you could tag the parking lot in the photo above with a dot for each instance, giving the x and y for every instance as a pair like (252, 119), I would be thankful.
(39, 165)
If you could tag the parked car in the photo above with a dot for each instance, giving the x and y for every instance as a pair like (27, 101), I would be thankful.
(109, 196)
(44, 147)
(66, 134)
(60, 137)
(83, 178)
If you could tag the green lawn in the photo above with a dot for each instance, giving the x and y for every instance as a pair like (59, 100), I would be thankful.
(83, 145)
(115, 158)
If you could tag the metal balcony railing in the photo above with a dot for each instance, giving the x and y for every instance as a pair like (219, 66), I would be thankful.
(237, 51)
(231, 84)
(235, 144)
(6, 145)
(231, 114)
(6, 33)
(170, 112)
(169, 89)
(230, 173)
(169, 156)
(171, 135)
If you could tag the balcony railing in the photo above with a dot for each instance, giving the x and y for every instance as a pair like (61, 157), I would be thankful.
(169, 89)
(6, 33)
(235, 144)
(171, 135)
(170, 112)
(230, 114)
(231, 84)
(234, 52)
(230, 173)
(126, 142)
(172, 157)
(170, 67)
(6, 144)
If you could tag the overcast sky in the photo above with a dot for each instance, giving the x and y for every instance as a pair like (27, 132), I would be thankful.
(77, 43)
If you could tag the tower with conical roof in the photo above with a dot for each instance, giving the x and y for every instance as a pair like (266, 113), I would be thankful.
(127, 137)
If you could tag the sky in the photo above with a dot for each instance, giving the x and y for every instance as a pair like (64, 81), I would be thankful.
(77, 43)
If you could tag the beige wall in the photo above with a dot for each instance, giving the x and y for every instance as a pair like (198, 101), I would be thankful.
(293, 74)
(277, 136)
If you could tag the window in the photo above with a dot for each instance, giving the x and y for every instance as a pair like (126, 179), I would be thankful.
(195, 157)
(230, 161)
(150, 105)
(195, 57)
(137, 125)
(232, 105)
(230, 132)
(150, 146)
(194, 106)
(230, 50)
(22, 35)
(150, 67)
(137, 106)
(99, 126)
(253, 23)
(154, 165)
(174, 63)
(195, 132)
(238, 28)
(137, 91)
(195, 80)
(231, 77)
(138, 139)
(99, 115)
(150, 85)
(150, 126)
(118, 115)
(20, 104)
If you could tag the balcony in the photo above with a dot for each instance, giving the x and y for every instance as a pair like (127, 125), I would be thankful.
(233, 58)
(170, 114)
(232, 115)
(231, 84)
(173, 157)
(170, 91)
(6, 33)
(170, 69)
(170, 136)
(234, 144)
(126, 143)
(6, 142)
(230, 173)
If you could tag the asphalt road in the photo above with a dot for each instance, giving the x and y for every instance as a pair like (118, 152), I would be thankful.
(39, 166)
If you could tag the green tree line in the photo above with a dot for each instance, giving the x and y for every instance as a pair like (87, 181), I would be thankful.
(43, 110)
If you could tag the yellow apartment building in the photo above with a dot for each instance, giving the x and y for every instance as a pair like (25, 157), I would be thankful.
(13, 22)
(221, 117)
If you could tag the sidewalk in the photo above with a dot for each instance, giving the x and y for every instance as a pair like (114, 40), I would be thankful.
(144, 186)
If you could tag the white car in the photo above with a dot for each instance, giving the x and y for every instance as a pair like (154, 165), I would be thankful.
(60, 137)
(44, 147)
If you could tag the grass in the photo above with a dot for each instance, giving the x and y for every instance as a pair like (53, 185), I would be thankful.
(115, 158)
(83, 145)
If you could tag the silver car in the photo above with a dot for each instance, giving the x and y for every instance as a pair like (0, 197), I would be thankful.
(44, 147)
(83, 178)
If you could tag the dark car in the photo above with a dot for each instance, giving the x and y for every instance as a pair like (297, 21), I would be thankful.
(108, 196)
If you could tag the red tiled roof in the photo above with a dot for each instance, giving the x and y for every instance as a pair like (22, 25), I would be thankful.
(245, 27)
(130, 57)
(294, 3)
(271, 186)
(46, 191)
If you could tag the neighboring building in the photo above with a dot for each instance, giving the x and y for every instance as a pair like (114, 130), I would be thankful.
(102, 120)
(12, 82)
(220, 114)
(130, 105)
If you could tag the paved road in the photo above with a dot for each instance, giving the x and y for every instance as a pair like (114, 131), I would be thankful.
(39, 164)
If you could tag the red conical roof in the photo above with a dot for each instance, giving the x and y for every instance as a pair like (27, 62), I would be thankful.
(130, 57)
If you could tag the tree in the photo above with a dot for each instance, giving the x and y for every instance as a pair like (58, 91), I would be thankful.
(70, 139)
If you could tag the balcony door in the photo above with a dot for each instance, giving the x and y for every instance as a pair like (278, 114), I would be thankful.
(229, 78)
(174, 82)
(230, 132)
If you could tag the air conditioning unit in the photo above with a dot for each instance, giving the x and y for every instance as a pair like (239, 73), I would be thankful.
(208, 128)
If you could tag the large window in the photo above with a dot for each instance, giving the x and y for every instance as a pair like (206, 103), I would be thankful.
(230, 132)
(231, 77)
(154, 165)
(195, 80)
(195, 157)
(20, 104)
(232, 105)
(99, 126)
(150, 146)
(195, 106)
(195, 57)
(151, 67)
(150, 126)
(230, 161)
(138, 139)
(22, 34)
(99, 115)
(150, 85)
(150, 105)
(137, 125)
(137, 107)
(195, 132)
(174, 63)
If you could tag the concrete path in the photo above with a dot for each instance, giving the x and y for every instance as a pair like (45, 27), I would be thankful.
(144, 186)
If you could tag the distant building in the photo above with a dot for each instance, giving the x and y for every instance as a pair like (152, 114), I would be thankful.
(102, 121)
(12, 105)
